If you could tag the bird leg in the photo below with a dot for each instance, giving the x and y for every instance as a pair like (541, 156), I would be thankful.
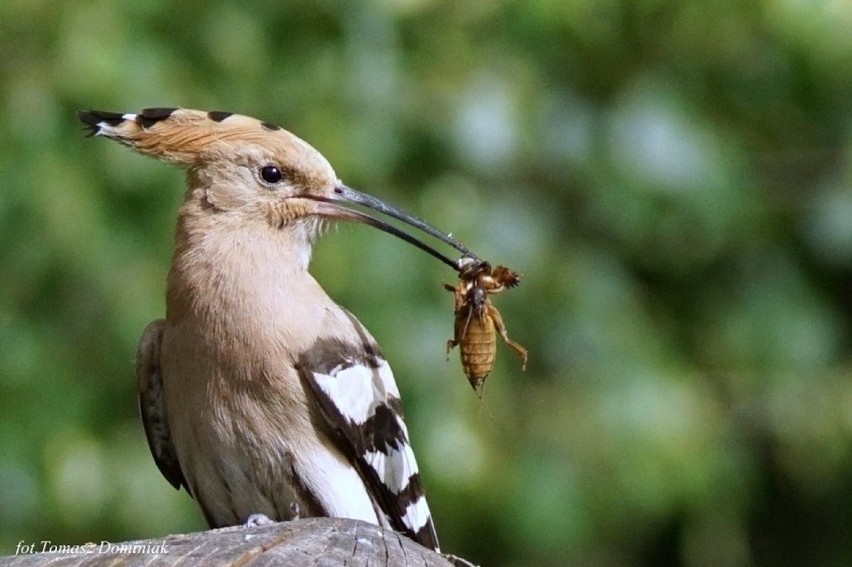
(258, 521)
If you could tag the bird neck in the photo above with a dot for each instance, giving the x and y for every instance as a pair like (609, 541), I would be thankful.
(232, 262)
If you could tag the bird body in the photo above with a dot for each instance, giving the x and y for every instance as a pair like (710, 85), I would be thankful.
(259, 394)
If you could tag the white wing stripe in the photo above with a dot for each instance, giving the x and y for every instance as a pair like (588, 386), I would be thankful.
(388, 382)
(417, 514)
(395, 469)
(349, 388)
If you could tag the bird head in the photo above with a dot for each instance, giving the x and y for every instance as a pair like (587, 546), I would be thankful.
(240, 163)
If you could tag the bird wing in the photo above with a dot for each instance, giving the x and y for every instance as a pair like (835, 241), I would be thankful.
(149, 382)
(360, 402)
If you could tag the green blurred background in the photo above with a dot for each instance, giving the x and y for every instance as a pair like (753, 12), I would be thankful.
(673, 179)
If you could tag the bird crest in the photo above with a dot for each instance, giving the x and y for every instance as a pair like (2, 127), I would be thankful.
(191, 137)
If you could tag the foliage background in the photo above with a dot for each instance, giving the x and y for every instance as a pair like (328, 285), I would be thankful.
(673, 178)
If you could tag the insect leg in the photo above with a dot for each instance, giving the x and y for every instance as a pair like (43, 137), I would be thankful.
(459, 331)
(501, 328)
(450, 344)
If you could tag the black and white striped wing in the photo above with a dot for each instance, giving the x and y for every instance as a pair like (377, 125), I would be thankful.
(360, 401)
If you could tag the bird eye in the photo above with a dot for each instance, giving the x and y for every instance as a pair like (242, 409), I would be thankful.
(271, 174)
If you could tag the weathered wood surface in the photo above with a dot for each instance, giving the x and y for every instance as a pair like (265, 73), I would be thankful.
(316, 542)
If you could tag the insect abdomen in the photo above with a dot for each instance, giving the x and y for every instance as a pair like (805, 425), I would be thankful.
(478, 348)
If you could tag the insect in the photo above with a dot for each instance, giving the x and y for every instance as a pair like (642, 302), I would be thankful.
(477, 321)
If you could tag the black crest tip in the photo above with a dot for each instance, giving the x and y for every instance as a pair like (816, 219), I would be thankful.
(92, 119)
(150, 116)
(218, 115)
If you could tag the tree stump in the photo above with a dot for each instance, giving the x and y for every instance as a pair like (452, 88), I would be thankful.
(315, 542)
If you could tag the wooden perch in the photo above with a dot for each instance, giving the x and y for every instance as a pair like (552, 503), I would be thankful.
(313, 542)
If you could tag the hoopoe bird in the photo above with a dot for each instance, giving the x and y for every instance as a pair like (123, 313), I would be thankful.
(260, 395)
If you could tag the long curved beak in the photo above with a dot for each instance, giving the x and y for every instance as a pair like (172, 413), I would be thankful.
(330, 205)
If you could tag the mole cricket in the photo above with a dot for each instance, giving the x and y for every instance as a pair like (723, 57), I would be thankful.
(477, 321)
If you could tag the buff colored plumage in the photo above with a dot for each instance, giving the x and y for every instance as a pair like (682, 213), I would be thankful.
(259, 394)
